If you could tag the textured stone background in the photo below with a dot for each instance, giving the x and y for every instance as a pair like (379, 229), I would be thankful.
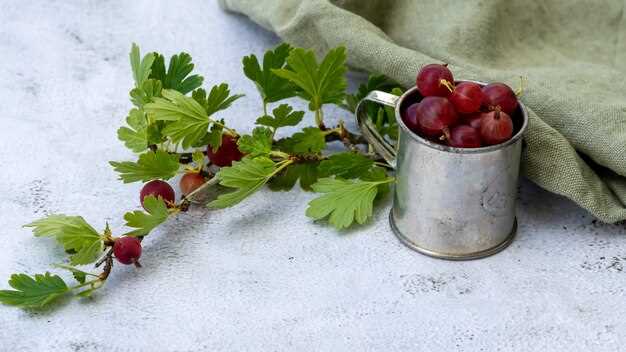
(261, 276)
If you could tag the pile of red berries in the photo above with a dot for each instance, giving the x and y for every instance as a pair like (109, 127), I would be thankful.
(465, 115)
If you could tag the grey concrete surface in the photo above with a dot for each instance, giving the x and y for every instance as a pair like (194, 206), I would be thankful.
(260, 276)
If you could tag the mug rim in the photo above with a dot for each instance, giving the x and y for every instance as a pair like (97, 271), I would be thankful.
(445, 148)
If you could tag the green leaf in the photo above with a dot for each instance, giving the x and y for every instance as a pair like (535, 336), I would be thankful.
(74, 233)
(141, 67)
(144, 94)
(283, 116)
(271, 87)
(177, 75)
(155, 132)
(150, 166)
(33, 292)
(344, 201)
(259, 143)
(345, 165)
(219, 98)
(377, 173)
(190, 120)
(135, 137)
(247, 176)
(320, 84)
(306, 172)
(310, 140)
(174, 106)
(144, 222)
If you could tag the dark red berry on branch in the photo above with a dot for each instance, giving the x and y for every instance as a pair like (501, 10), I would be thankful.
(226, 153)
(158, 188)
(127, 250)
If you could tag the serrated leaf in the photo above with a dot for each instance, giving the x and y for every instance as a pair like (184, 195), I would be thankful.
(144, 94)
(174, 106)
(345, 165)
(144, 222)
(219, 98)
(135, 137)
(310, 140)
(33, 292)
(271, 87)
(150, 166)
(247, 176)
(259, 143)
(141, 67)
(283, 116)
(306, 172)
(319, 83)
(177, 75)
(189, 119)
(344, 201)
(73, 233)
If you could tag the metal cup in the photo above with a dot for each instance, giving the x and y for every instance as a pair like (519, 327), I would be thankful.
(450, 203)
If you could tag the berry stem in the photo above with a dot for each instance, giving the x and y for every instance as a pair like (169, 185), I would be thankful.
(497, 111)
(447, 84)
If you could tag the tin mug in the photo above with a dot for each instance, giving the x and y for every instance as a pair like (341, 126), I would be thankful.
(450, 203)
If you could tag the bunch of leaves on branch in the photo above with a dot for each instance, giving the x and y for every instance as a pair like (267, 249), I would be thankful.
(178, 127)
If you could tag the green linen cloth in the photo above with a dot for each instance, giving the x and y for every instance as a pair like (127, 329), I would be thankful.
(572, 52)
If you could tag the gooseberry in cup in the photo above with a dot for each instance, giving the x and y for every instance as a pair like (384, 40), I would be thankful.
(467, 97)
(433, 114)
(496, 127)
(434, 80)
(463, 136)
(472, 120)
(499, 95)
(410, 117)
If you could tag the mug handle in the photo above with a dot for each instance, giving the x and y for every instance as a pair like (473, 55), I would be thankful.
(381, 146)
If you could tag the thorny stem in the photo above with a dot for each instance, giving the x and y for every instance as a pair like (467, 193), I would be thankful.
(340, 133)
(349, 140)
